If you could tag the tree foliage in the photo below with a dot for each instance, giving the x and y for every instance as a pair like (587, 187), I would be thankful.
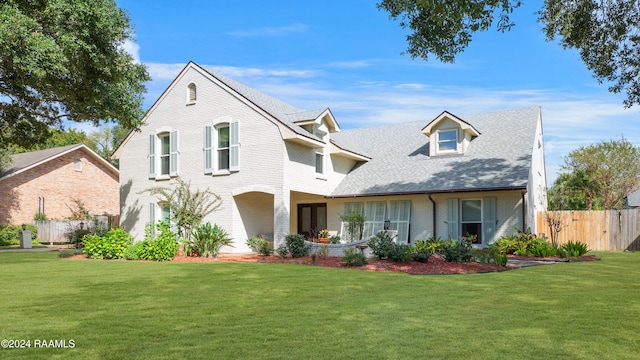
(188, 207)
(606, 33)
(601, 173)
(65, 60)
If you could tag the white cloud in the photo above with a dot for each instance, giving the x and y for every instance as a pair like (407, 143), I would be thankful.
(133, 49)
(271, 31)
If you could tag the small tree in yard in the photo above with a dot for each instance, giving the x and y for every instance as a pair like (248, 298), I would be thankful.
(188, 207)
(355, 224)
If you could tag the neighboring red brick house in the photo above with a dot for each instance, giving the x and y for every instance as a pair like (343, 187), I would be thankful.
(50, 180)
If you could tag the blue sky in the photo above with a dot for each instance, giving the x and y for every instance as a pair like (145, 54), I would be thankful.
(346, 55)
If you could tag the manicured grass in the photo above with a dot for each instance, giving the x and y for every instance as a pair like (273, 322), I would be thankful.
(145, 310)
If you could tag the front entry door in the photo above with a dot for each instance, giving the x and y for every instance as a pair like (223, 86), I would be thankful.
(311, 219)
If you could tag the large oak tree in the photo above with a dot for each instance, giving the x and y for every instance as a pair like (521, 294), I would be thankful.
(606, 33)
(64, 60)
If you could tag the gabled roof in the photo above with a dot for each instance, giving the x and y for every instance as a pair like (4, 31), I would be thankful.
(447, 115)
(283, 113)
(499, 158)
(25, 161)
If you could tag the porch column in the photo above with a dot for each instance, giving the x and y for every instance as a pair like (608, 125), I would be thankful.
(282, 217)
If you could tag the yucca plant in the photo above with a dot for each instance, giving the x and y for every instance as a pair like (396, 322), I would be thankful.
(207, 240)
(575, 249)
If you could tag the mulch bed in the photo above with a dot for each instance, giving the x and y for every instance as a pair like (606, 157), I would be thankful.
(435, 266)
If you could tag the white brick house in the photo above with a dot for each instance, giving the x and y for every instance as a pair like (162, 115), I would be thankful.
(282, 170)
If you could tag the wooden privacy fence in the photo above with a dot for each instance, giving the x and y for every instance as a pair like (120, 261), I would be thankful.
(604, 230)
(55, 231)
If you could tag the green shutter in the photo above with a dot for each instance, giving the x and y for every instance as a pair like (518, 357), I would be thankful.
(452, 219)
(152, 156)
(152, 217)
(234, 146)
(489, 220)
(173, 153)
(208, 160)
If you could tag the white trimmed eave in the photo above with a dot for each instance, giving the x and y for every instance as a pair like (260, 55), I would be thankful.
(325, 115)
(465, 126)
(291, 136)
(338, 151)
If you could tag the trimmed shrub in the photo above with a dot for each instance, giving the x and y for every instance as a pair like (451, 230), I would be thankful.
(400, 252)
(381, 244)
(282, 251)
(458, 251)
(355, 259)
(296, 246)
(110, 246)
(421, 256)
(260, 245)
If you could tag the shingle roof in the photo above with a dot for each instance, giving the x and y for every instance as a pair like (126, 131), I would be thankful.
(284, 112)
(400, 163)
(23, 161)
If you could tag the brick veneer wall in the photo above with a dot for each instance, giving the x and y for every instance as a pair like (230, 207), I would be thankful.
(57, 181)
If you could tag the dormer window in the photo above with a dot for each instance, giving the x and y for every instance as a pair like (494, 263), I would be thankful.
(449, 134)
(447, 140)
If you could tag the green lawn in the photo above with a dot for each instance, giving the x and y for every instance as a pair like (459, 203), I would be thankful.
(146, 310)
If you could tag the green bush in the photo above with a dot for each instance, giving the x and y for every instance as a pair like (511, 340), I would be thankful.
(334, 239)
(542, 249)
(207, 240)
(353, 258)
(497, 254)
(575, 249)
(458, 251)
(162, 247)
(110, 246)
(421, 256)
(431, 246)
(296, 246)
(522, 243)
(381, 244)
(323, 250)
(260, 245)
(10, 234)
(282, 251)
(400, 252)
(134, 251)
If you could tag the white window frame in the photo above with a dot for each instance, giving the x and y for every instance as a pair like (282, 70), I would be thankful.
(375, 217)
(479, 221)
(192, 93)
(156, 156)
(164, 157)
(402, 225)
(217, 170)
(447, 141)
(320, 131)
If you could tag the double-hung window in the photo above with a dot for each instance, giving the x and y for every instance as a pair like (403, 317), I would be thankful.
(163, 155)
(447, 140)
(221, 147)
